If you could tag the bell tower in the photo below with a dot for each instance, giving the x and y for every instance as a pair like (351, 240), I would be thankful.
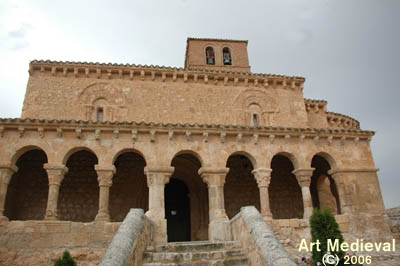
(217, 54)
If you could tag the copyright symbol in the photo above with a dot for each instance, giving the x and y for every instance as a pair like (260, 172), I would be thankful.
(330, 259)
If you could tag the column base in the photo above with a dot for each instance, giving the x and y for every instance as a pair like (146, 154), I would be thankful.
(307, 212)
(159, 229)
(219, 231)
(102, 217)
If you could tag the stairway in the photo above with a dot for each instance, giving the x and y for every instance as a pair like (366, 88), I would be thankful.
(198, 253)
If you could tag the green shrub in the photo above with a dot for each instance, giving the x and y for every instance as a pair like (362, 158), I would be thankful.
(65, 260)
(324, 227)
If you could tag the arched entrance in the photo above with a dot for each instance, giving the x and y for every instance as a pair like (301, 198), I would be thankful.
(192, 192)
(177, 211)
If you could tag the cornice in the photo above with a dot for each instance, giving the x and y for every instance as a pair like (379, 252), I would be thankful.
(161, 73)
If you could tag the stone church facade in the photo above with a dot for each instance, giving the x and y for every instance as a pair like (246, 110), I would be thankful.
(190, 146)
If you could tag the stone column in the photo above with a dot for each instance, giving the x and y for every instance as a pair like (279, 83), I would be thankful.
(55, 174)
(6, 171)
(219, 229)
(263, 178)
(304, 179)
(157, 178)
(104, 177)
(340, 181)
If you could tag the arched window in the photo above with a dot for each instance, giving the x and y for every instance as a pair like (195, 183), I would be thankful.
(100, 114)
(227, 56)
(210, 56)
(256, 122)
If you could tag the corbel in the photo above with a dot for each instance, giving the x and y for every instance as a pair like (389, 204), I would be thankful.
(292, 85)
(235, 81)
(21, 131)
(223, 136)
(316, 140)
(163, 76)
(109, 74)
(1, 131)
(142, 75)
(205, 79)
(255, 139)
(59, 132)
(356, 140)
(98, 73)
(266, 83)
(302, 137)
(120, 73)
(65, 71)
(75, 72)
(287, 136)
(225, 81)
(174, 77)
(42, 69)
(271, 138)
(134, 135)
(330, 138)
(239, 138)
(87, 72)
(53, 71)
(246, 82)
(116, 133)
(216, 79)
(185, 77)
(152, 135)
(205, 137)
(41, 132)
(78, 132)
(153, 75)
(131, 74)
(170, 135)
(97, 134)
(195, 76)
(188, 136)
(256, 82)
(342, 140)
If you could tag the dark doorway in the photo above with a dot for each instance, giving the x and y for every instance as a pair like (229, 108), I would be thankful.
(177, 211)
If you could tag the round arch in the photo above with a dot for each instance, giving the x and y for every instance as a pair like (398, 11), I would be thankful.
(328, 157)
(189, 152)
(292, 158)
(19, 152)
(126, 151)
(77, 149)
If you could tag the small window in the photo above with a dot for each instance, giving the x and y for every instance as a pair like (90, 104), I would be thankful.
(227, 56)
(210, 57)
(255, 120)
(100, 114)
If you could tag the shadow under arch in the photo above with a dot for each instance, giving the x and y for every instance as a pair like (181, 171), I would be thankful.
(323, 188)
(186, 165)
(129, 188)
(26, 197)
(127, 150)
(240, 187)
(75, 150)
(285, 196)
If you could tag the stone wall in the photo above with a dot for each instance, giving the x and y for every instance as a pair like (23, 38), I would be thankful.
(42, 242)
(394, 216)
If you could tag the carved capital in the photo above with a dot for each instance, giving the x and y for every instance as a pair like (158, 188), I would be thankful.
(262, 176)
(158, 175)
(104, 175)
(213, 176)
(303, 176)
(6, 171)
(55, 173)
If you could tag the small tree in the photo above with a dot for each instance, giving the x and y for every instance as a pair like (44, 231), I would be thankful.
(324, 227)
(65, 260)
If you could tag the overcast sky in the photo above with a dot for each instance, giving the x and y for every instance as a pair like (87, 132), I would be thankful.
(347, 50)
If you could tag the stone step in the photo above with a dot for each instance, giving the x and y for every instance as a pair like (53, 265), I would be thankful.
(195, 246)
(149, 256)
(227, 262)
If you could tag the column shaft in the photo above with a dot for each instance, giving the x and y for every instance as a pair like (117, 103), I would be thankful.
(5, 176)
(304, 179)
(263, 178)
(55, 174)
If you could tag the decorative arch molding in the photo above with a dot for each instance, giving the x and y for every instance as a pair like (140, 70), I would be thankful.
(190, 152)
(110, 99)
(126, 151)
(251, 97)
(249, 156)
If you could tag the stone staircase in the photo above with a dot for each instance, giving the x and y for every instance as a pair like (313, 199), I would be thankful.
(198, 253)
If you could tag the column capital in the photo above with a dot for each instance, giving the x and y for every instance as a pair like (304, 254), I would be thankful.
(104, 174)
(303, 176)
(6, 171)
(262, 176)
(158, 175)
(213, 176)
(55, 173)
